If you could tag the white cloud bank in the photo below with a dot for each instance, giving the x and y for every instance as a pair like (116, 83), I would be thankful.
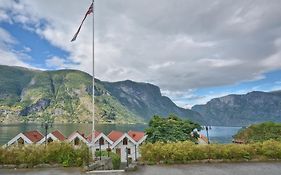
(179, 46)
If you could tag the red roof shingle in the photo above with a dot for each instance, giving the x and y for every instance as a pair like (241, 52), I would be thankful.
(136, 135)
(115, 135)
(82, 134)
(34, 136)
(89, 138)
(59, 135)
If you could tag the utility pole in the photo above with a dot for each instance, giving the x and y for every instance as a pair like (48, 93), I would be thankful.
(46, 125)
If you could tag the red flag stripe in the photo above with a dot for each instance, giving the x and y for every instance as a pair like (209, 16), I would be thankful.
(89, 11)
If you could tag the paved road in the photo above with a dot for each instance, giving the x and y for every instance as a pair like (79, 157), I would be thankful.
(192, 169)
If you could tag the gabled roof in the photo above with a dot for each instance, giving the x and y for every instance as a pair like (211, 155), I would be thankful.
(89, 138)
(79, 135)
(136, 135)
(34, 136)
(77, 132)
(59, 135)
(115, 135)
(55, 135)
(121, 138)
(20, 135)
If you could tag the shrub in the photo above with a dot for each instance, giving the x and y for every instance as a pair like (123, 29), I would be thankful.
(54, 153)
(116, 160)
(183, 152)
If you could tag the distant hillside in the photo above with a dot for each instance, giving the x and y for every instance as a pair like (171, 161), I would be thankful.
(242, 110)
(259, 132)
(66, 96)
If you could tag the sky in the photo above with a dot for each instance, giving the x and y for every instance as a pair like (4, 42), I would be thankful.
(194, 50)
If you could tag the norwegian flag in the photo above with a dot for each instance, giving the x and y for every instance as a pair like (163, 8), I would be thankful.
(90, 10)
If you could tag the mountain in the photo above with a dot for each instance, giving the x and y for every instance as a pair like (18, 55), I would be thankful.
(242, 110)
(28, 95)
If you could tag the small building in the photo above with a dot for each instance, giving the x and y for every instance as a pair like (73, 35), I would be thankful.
(28, 137)
(102, 142)
(76, 138)
(53, 136)
(126, 146)
(139, 137)
(202, 140)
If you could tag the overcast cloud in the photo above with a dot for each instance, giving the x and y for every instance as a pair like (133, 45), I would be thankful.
(178, 45)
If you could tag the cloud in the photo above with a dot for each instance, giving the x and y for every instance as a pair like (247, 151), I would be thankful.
(179, 46)
(56, 62)
(9, 56)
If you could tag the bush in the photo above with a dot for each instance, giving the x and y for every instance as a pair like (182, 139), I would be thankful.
(183, 152)
(116, 160)
(54, 153)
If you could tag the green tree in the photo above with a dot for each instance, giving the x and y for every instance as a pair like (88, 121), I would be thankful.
(260, 132)
(170, 129)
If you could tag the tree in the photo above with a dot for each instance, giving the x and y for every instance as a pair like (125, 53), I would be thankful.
(170, 129)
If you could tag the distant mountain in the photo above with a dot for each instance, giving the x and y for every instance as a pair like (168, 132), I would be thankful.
(241, 110)
(66, 96)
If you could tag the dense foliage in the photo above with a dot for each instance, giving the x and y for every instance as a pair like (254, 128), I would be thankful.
(260, 132)
(54, 153)
(184, 152)
(116, 160)
(170, 129)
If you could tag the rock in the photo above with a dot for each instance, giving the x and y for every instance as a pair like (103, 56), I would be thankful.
(132, 167)
(43, 166)
(24, 165)
(9, 166)
(104, 164)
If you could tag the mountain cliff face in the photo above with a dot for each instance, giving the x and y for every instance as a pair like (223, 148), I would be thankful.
(241, 110)
(66, 96)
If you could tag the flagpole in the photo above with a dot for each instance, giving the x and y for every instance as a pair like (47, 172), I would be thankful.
(93, 117)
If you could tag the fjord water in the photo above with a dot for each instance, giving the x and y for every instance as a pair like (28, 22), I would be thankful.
(218, 134)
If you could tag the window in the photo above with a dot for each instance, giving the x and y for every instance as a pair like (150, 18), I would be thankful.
(76, 141)
(129, 150)
(50, 140)
(20, 141)
(125, 141)
(101, 141)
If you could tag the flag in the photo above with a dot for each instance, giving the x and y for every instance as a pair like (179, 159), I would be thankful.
(90, 10)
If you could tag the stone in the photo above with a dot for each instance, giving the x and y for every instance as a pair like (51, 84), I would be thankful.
(24, 165)
(132, 167)
(43, 166)
(10, 166)
(104, 164)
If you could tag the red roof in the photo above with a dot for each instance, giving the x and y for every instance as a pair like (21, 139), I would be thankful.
(89, 138)
(136, 135)
(82, 134)
(34, 136)
(58, 135)
(115, 135)
(204, 138)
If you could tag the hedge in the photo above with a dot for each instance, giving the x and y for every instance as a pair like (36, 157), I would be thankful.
(54, 153)
(184, 152)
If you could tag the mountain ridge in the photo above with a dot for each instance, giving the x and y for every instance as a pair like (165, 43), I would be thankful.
(243, 109)
(29, 95)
